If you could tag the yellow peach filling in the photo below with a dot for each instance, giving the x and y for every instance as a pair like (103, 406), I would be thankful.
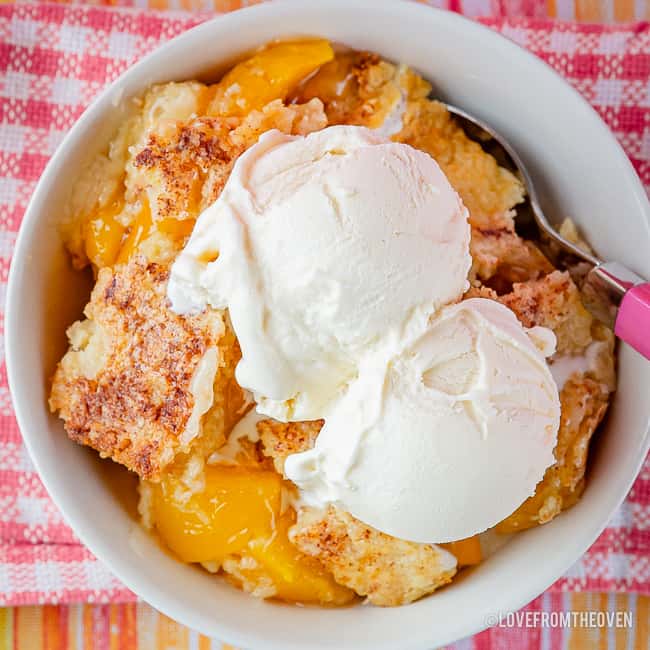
(466, 551)
(108, 242)
(269, 74)
(239, 515)
(104, 234)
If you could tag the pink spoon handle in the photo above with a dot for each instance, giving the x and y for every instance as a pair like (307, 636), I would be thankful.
(633, 320)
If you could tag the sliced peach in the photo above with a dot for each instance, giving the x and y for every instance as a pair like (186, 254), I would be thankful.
(269, 74)
(236, 506)
(467, 551)
(103, 235)
(177, 229)
(296, 577)
(238, 514)
(138, 232)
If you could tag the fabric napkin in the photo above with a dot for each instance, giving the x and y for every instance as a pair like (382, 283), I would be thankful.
(53, 60)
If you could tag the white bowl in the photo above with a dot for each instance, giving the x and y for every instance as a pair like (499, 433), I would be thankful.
(582, 172)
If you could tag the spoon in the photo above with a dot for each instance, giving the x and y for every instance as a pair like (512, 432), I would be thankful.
(612, 293)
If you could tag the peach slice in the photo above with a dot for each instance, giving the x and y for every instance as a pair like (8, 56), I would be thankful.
(269, 74)
(236, 506)
(467, 551)
(103, 235)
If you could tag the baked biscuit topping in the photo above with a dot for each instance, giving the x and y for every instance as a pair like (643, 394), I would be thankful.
(387, 570)
(131, 385)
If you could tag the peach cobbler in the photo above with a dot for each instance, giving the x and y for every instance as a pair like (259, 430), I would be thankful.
(316, 336)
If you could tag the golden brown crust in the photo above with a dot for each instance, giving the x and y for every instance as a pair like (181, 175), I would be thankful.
(480, 291)
(554, 302)
(136, 405)
(488, 191)
(280, 439)
(355, 88)
(182, 166)
(387, 570)
(178, 160)
(584, 403)
(501, 258)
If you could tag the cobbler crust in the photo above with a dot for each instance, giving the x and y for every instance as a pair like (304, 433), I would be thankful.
(387, 570)
(136, 405)
(281, 439)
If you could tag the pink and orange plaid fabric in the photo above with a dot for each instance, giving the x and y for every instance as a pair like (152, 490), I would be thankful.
(53, 60)
(136, 626)
(594, 11)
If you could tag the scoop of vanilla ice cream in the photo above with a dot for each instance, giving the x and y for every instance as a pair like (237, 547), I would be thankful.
(449, 439)
(320, 247)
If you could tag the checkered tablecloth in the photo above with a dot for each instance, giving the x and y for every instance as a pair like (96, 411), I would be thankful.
(53, 61)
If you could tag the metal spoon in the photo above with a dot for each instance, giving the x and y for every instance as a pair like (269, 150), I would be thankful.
(613, 294)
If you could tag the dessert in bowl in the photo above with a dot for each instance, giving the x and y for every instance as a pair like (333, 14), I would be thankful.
(303, 337)
(286, 145)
